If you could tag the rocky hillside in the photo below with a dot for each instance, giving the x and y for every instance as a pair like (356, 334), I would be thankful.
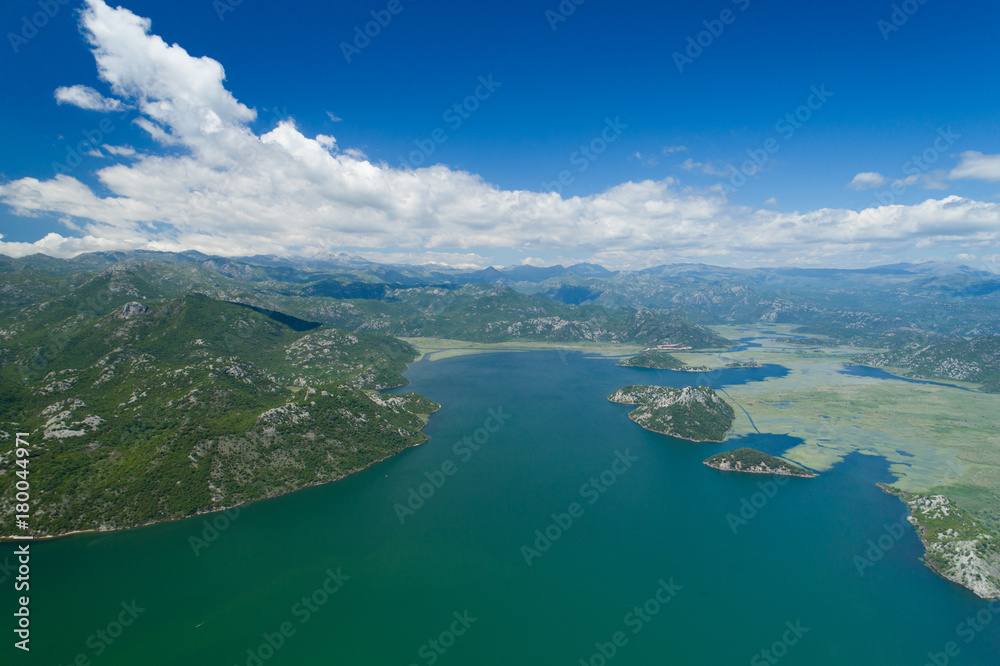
(958, 547)
(495, 313)
(976, 360)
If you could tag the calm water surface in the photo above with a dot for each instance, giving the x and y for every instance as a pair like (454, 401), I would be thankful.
(402, 577)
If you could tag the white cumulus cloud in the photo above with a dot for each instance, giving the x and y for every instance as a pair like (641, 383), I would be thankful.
(87, 98)
(976, 166)
(120, 151)
(867, 180)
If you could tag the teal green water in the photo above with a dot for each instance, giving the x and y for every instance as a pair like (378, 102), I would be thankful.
(662, 518)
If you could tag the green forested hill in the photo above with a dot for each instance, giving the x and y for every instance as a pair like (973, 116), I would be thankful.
(160, 411)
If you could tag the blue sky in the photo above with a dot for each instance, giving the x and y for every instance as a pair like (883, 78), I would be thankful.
(848, 133)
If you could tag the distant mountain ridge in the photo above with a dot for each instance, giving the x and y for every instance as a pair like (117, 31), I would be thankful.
(879, 306)
(429, 305)
(516, 273)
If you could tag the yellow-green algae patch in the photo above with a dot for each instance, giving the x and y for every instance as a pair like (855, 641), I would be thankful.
(933, 436)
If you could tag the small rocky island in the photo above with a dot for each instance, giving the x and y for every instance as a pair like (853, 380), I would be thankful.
(753, 461)
(658, 359)
(696, 413)
(655, 359)
(745, 364)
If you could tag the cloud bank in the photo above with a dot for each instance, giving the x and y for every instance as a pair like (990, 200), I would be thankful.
(224, 189)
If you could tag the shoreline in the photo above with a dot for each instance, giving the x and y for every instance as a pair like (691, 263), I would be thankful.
(442, 348)
(937, 547)
(49, 537)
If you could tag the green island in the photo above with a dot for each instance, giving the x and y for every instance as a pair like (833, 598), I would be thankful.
(753, 461)
(654, 359)
(751, 363)
(696, 413)
(658, 359)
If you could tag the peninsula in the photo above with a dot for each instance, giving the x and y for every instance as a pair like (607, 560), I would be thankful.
(957, 546)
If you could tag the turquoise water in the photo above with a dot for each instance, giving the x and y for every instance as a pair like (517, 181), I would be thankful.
(659, 517)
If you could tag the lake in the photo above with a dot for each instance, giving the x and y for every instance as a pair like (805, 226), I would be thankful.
(538, 526)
